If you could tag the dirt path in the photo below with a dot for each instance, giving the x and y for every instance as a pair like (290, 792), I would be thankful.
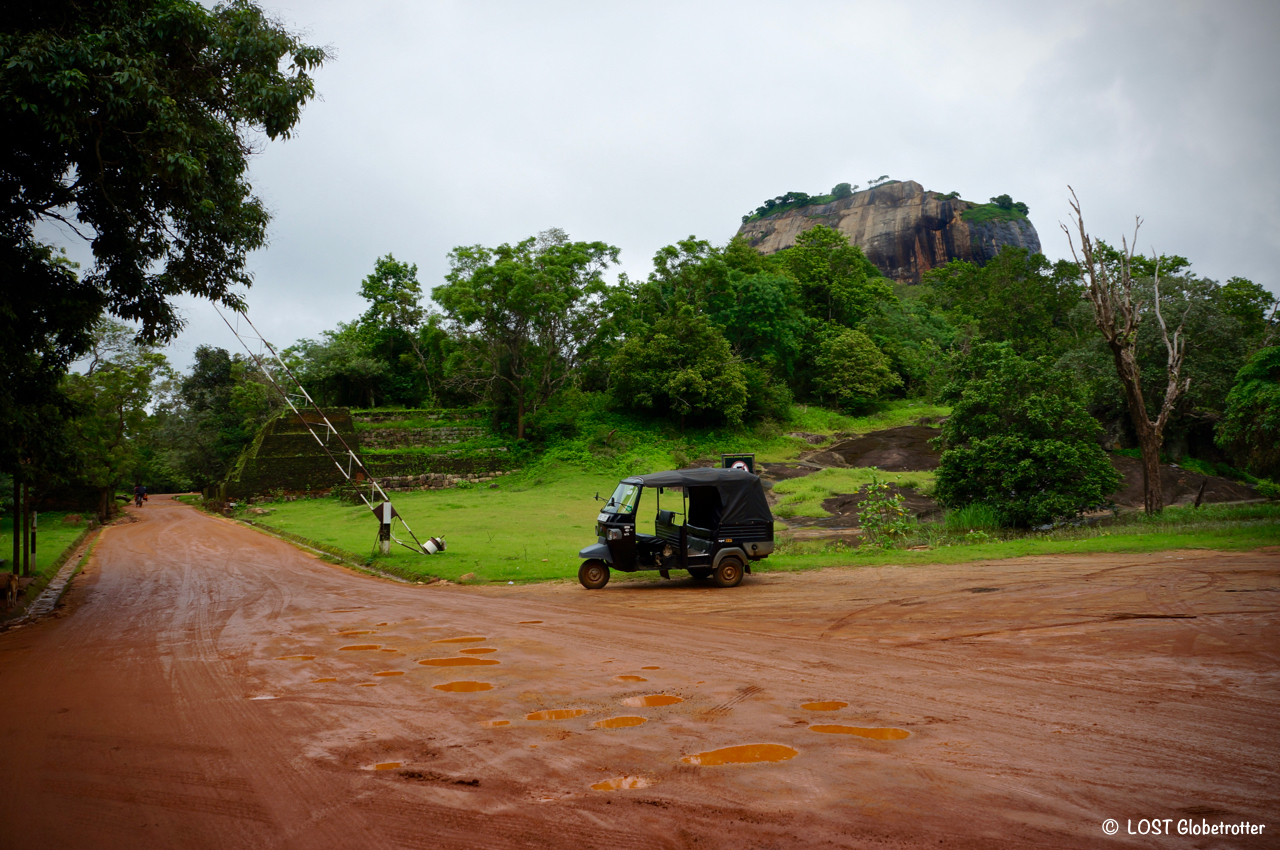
(198, 691)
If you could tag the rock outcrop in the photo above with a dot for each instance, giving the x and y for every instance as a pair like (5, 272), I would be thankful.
(903, 229)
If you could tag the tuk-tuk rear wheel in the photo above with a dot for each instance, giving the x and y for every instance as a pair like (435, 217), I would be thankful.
(593, 574)
(729, 572)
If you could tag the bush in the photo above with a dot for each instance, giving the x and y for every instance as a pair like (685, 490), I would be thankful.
(976, 516)
(853, 370)
(1269, 490)
(1019, 441)
(1251, 430)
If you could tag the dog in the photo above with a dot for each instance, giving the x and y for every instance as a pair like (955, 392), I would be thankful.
(9, 589)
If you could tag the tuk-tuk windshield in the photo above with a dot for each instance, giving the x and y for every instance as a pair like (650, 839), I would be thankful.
(623, 500)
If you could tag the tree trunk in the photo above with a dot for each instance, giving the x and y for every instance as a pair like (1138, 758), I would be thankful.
(1150, 438)
(104, 505)
(17, 523)
(520, 415)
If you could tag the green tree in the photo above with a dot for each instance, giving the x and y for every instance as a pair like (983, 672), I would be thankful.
(1019, 440)
(1249, 304)
(1251, 428)
(523, 316)
(681, 365)
(1018, 297)
(112, 397)
(852, 370)
(837, 282)
(130, 122)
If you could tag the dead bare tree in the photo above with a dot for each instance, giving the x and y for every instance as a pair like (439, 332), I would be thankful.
(1118, 315)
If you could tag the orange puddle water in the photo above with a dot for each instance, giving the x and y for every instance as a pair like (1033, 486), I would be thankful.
(367, 685)
(494, 723)
(621, 783)
(479, 650)
(390, 650)
(556, 714)
(630, 679)
(359, 647)
(744, 754)
(830, 705)
(387, 765)
(461, 661)
(390, 673)
(650, 668)
(528, 622)
(296, 658)
(463, 687)
(621, 723)
(318, 681)
(350, 632)
(472, 639)
(652, 700)
(882, 734)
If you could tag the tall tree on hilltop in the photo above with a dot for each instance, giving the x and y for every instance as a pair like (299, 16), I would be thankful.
(1109, 288)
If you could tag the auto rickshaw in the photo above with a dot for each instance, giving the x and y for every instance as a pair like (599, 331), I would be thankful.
(714, 523)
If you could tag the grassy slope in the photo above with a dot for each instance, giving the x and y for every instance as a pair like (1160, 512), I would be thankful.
(532, 526)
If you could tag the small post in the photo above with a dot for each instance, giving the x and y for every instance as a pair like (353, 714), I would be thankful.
(384, 538)
(17, 524)
(26, 530)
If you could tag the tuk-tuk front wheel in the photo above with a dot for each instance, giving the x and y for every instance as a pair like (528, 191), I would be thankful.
(593, 574)
(729, 572)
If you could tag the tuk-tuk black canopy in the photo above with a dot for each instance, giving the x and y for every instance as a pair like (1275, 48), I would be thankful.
(741, 494)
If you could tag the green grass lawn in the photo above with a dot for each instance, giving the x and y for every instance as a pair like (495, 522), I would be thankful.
(53, 537)
(530, 529)
(804, 496)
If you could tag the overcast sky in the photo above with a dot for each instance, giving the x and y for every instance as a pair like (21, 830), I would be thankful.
(442, 124)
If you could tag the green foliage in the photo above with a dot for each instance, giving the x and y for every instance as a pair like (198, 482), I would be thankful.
(134, 120)
(1018, 297)
(838, 284)
(916, 336)
(1248, 303)
(975, 516)
(524, 316)
(883, 517)
(682, 365)
(980, 213)
(1019, 441)
(112, 396)
(1250, 432)
(852, 370)
(1269, 490)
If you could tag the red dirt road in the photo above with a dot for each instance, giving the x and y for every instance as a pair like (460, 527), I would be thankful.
(197, 690)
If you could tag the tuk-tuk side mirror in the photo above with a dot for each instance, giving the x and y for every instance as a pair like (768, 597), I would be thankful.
(597, 495)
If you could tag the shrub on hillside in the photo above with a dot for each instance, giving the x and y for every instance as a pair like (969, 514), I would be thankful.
(853, 371)
(1019, 441)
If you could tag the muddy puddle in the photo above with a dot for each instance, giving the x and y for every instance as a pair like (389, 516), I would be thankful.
(826, 705)
(367, 685)
(320, 681)
(390, 673)
(630, 679)
(556, 714)
(459, 661)
(350, 632)
(744, 754)
(493, 724)
(296, 658)
(471, 639)
(875, 734)
(529, 623)
(360, 647)
(387, 765)
(479, 650)
(652, 700)
(621, 783)
(464, 687)
(621, 722)
(650, 668)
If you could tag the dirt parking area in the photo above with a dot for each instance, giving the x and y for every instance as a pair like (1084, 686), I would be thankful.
(207, 686)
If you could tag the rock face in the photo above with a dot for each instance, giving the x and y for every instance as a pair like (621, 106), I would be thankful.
(902, 228)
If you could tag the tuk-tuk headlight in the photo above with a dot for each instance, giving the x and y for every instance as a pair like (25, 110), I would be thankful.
(615, 534)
